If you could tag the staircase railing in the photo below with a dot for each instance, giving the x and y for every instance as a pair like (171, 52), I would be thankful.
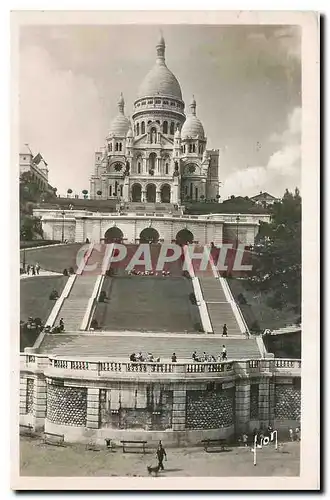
(92, 303)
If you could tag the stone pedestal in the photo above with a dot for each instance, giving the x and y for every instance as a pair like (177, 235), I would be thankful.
(242, 406)
(93, 408)
(179, 408)
(39, 403)
(126, 189)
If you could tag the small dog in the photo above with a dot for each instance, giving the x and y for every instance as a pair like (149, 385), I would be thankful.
(154, 470)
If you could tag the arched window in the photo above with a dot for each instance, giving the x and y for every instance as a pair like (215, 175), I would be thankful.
(110, 190)
(193, 148)
(172, 128)
(139, 167)
(137, 129)
(120, 146)
(196, 193)
(149, 121)
(190, 148)
(165, 128)
(116, 148)
(166, 168)
(121, 190)
(116, 188)
(110, 147)
(143, 128)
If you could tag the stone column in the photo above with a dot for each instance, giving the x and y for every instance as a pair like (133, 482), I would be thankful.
(93, 408)
(242, 405)
(22, 395)
(157, 196)
(126, 189)
(179, 408)
(143, 195)
(39, 403)
(264, 401)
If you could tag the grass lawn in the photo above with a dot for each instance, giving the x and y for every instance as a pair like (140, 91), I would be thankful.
(53, 258)
(34, 295)
(259, 310)
(147, 303)
(38, 459)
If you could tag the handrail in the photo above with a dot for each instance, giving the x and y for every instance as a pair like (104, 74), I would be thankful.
(85, 258)
(203, 311)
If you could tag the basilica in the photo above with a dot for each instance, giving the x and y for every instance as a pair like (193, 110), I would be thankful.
(160, 156)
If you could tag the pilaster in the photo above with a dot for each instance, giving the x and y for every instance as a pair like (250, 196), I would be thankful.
(93, 408)
(264, 401)
(179, 408)
(242, 405)
(22, 395)
(39, 403)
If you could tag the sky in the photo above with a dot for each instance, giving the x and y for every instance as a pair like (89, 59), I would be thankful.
(246, 81)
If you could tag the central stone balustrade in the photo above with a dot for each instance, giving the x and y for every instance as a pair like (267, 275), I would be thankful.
(179, 403)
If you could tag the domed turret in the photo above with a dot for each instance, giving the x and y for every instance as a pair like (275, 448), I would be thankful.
(192, 127)
(160, 81)
(120, 125)
(130, 133)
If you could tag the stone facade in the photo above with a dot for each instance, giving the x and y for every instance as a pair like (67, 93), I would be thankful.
(66, 405)
(217, 228)
(210, 409)
(174, 403)
(287, 402)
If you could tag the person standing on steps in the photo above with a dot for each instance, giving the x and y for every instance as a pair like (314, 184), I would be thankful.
(225, 331)
(161, 453)
(224, 353)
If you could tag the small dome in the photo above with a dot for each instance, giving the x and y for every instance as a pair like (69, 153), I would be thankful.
(160, 81)
(130, 133)
(120, 125)
(192, 127)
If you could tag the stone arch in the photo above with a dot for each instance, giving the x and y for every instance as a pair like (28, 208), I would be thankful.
(184, 236)
(113, 235)
(136, 192)
(149, 235)
(165, 193)
(151, 193)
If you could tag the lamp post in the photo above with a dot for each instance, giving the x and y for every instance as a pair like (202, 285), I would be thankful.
(237, 222)
(63, 215)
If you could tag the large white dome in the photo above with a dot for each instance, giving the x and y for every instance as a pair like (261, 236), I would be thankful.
(160, 80)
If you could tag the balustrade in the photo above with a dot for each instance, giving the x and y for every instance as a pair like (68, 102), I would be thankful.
(98, 367)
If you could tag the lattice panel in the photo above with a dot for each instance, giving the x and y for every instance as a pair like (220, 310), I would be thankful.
(254, 401)
(287, 402)
(29, 395)
(210, 410)
(67, 405)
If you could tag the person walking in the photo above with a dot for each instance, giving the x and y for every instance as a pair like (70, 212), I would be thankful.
(33, 271)
(224, 353)
(224, 330)
(174, 358)
(28, 269)
(161, 454)
(61, 325)
(37, 268)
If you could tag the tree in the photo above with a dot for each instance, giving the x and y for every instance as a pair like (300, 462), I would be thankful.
(277, 255)
(202, 197)
(69, 191)
(99, 193)
(85, 193)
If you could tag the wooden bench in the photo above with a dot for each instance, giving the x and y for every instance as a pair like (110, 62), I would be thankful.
(54, 439)
(25, 429)
(215, 443)
(131, 444)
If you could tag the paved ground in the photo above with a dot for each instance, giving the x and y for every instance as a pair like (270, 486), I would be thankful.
(37, 459)
(148, 304)
(53, 258)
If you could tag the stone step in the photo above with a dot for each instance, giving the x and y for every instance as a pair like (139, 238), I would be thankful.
(96, 345)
